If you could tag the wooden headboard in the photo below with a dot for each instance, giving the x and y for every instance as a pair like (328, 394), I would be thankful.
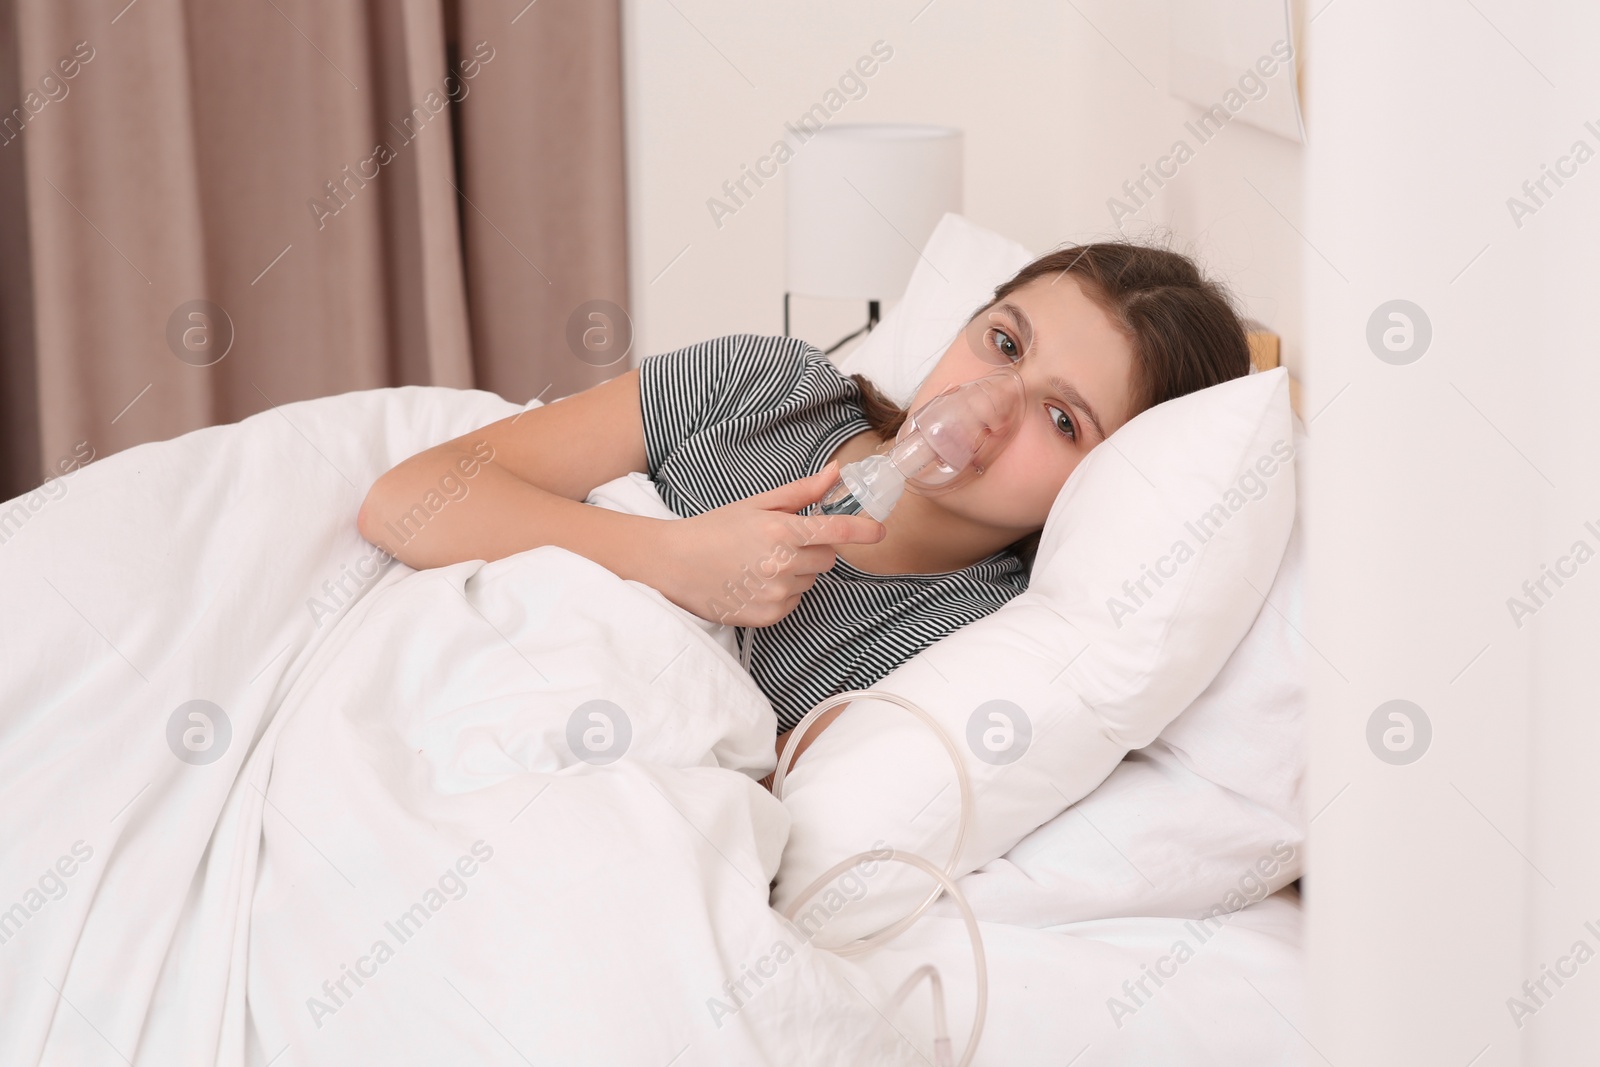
(1264, 349)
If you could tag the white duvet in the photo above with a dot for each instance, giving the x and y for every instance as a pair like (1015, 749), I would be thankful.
(266, 801)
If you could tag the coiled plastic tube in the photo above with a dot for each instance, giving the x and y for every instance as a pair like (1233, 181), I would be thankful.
(963, 784)
(944, 881)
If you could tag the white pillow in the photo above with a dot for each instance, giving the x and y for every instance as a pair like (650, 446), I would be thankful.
(1210, 812)
(955, 276)
(1092, 668)
(1180, 821)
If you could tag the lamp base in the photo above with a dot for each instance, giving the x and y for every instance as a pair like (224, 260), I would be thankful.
(872, 320)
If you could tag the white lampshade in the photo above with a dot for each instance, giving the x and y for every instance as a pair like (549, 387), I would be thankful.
(862, 200)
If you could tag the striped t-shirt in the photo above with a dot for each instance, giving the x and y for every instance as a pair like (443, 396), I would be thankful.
(734, 416)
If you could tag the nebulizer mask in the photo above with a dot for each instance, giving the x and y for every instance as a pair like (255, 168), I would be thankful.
(942, 445)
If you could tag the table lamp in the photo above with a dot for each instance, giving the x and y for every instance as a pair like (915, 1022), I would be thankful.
(861, 200)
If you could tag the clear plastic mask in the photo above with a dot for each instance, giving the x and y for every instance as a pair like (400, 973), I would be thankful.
(951, 439)
(944, 444)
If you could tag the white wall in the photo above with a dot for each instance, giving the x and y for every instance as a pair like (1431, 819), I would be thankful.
(1055, 121)
(1438, 487)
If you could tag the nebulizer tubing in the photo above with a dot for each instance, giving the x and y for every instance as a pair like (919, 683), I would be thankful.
(940, 1026)
(963, 784)
(944, 880)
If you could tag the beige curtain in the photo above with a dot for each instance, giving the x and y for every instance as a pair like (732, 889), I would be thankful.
(208, 208)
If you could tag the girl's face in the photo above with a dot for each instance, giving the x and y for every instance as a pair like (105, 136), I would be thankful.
(1077, 368)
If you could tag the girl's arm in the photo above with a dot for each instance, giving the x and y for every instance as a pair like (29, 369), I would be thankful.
(823, 722)
(520, 483)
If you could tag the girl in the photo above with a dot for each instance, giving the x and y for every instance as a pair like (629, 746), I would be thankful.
(742, 433)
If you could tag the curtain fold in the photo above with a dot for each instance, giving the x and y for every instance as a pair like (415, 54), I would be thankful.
(549, 125)
(211, 209)
(20, 461)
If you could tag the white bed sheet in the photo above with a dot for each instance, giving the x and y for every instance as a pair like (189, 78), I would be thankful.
(1057, 995)
(216, 899)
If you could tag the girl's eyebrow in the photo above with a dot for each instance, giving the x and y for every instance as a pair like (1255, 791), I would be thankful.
(1075, 398)
(1059, 384)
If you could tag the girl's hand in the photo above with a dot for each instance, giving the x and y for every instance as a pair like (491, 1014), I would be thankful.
(746, 563)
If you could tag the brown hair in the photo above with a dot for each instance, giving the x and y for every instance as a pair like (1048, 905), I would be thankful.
(1185, 332)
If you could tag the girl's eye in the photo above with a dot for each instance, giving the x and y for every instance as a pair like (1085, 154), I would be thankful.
(1063, 422)
(1004, 343)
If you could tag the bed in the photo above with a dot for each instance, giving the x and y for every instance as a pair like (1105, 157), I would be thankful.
(274, 799)
(220, 894)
